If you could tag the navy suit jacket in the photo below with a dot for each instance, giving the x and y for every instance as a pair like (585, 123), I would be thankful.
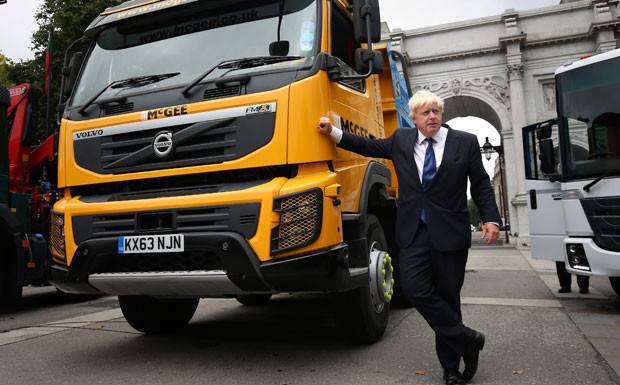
(445, 200)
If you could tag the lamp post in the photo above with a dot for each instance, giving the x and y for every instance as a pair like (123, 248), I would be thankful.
(488, 149)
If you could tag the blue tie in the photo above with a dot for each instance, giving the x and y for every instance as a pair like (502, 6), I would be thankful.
(430, 168)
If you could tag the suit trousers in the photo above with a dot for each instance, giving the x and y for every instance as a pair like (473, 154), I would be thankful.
(431, 281)
(565, 277)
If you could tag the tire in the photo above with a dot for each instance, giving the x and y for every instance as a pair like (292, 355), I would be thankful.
(359, 312)
(75, 298)
(157, 315)
(615, 284)
(254, 299)
(10, 291)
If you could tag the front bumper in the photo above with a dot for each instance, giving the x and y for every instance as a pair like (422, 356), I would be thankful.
(604, 263)
(218, 264)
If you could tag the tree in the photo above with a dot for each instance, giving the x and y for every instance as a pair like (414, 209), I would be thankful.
(5, 64)
(474, 214)
(69, 18)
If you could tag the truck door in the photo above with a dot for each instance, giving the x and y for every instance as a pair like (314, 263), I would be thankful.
(352, 104)
(351, 101)
(544, 200)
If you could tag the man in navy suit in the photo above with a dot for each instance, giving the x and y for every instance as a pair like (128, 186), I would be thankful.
(432, 224)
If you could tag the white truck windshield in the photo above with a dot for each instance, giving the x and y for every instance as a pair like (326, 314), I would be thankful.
(590, 120)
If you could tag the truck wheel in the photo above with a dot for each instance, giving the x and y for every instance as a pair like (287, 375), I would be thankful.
(363, 313)
(254, 299)
(157, 315)
(75, 298)
(615, 284)
(10, 291)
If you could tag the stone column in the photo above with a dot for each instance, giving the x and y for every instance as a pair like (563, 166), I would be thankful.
(515, 175)
(518, 200)
(603, 27)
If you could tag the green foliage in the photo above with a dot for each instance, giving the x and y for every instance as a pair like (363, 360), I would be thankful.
(69, 18)
(4, 69)
(474, 214)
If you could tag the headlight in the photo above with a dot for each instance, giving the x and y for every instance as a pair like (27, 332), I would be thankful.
(300, 220)
(57, 236)
(577, 258)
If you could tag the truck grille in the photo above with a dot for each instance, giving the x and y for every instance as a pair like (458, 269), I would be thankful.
(242, 218)
(186, 261)
(192, 144)
(116, 109)
(221, 92)
(604, 217)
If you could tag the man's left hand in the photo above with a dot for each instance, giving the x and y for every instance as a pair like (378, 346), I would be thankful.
(492, 230)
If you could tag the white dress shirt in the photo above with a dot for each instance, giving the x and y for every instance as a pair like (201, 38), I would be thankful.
(419, 149)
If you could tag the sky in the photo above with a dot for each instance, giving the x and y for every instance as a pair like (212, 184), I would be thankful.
(17, 25)
(17, 17)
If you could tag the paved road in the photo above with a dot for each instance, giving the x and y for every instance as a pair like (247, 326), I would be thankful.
(534, 336)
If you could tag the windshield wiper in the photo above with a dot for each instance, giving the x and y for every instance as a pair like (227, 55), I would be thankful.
(237, 64)
(587, 187)
(137, 81)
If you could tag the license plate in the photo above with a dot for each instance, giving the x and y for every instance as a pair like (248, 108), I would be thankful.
(165, 243)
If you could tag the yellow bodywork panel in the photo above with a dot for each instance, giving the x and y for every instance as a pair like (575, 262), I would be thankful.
(319, 164)
(274, 153)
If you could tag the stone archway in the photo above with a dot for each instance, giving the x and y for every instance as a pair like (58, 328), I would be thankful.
(465, 105)
(501, 68)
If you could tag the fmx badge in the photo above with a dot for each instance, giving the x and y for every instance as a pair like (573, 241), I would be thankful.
(260, 109)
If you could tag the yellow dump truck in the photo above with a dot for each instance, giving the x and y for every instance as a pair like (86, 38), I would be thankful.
(192, 167)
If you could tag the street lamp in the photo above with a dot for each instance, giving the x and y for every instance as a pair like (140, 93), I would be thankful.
(488, 149)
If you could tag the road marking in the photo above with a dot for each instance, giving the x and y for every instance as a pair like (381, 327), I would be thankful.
(18, 335)
(511, 302)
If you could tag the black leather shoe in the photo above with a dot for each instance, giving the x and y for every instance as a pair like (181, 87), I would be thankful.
(452, 377)
(471, 356)
(564, 289)
(584, 290)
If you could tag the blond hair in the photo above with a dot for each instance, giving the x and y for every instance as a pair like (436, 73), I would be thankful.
(422, 98)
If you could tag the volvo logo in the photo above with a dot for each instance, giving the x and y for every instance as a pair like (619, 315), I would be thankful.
(163, 144)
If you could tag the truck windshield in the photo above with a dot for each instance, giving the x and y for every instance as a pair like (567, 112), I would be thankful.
(590, 120)
(191, 40)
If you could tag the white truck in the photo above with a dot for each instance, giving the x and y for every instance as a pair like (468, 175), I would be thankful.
(572, 172)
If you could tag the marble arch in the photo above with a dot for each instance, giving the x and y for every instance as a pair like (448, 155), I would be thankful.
(501, 69)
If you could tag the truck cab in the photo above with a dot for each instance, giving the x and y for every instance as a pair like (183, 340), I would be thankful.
(192, 167)
(573, 171)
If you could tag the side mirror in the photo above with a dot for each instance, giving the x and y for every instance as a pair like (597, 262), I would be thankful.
(279, 48)
(70, 73)
(547, 157)
(366, 21)
(544, 130)
(364, 58)
(333, 68)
